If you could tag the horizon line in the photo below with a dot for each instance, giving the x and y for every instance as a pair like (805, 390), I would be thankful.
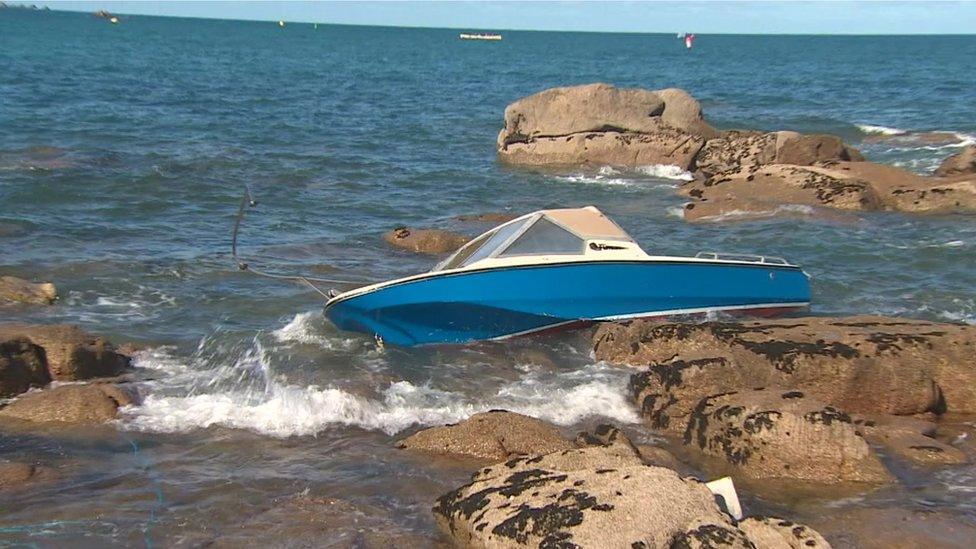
(453, 28)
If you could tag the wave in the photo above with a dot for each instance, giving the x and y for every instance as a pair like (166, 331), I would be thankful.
(310, 328)
(782, 209)
(245, 395)
(880, 130)
(666, 171)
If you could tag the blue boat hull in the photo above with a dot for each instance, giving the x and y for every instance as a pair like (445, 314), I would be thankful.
(494, 303)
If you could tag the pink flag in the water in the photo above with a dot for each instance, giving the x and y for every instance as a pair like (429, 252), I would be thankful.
(689, 40)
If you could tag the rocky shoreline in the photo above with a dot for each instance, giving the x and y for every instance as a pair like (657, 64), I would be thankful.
(738, 174)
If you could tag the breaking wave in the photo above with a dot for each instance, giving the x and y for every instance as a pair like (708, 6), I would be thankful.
(310, 328)
(247, 395)
(666, 171)
(880, 130)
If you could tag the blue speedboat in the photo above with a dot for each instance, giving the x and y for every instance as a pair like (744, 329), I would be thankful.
(555, 268)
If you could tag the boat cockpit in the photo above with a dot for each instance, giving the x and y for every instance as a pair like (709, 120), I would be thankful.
(539, 237)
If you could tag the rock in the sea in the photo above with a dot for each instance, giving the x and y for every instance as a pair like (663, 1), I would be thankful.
(22, 366)
(600, 124)
(491, 217)
(18, 290)
(747, 151)
(909, 439)
(777, 533)
(15, 474)
(425, 241)
(772, 434)
(608, 436)
(494, 435)
(773, 189)
(807, 150)
(71, 354)
(70, 404)
(961, 163)
(590, 497)
(861, 364)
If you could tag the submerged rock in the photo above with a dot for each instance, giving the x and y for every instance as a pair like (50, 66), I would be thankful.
(494, 435)
(862, 364)
(70, 404)
(767, 434)
(961, 163)
(18, 290)
(71, 354)
(603, 125)
(22, 366)
(492, 217)
(426, 241)
(893, 527)
(16, 474)
(590, 497)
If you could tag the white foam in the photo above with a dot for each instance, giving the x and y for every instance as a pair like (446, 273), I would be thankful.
(245, 395)
(666, 171)
(309, 328)
(880, 130)
(731, 215)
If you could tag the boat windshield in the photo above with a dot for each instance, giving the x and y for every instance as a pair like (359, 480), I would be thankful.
(482, 246)
(531, 236)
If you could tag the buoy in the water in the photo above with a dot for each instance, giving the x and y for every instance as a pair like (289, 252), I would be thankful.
(281, 23)
(114, 20)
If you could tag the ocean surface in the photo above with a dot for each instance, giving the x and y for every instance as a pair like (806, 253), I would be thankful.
(124, 151)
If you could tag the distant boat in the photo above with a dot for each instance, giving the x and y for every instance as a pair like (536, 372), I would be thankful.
(689, 40)
(480, 36)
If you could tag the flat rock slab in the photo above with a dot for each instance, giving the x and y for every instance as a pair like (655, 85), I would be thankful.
(70, 404)
(18, 290)
(862, 364)
(495, 435)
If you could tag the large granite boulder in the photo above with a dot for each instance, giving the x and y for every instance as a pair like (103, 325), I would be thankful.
(961, 163)
(71, 354)
(591, 497)
(862, 364)
(70, 404)
(771, 434)
(599, 124)
(776, 533)
(425, 241)
(494, 435)
(18, 290)
(22, 366)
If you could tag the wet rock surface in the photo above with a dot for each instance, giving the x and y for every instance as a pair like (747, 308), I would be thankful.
(425, 241)
(70, 404)
(494, 435)
(18, 290)
(590, 497)
(71, 354)
(776, 533)
(961, 163)
(600, 124)
(18, 474)
(22, 366)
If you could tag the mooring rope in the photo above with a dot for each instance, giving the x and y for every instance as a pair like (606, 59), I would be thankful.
(248, 201)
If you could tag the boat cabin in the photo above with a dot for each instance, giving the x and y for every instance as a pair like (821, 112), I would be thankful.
(570, 234)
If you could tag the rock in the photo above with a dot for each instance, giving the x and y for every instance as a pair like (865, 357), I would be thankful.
(599, 124)
(767, 434)
(71, 353)
(608, 436)
(807, 150)
(590, 497)
(747, 151)
(961, 163)
(494, 435)
(426, 241)
(69, 404)
(776, 533)
(18, 290)
(759, 191)
(862, 364)
(15, 474)
(486, 218)
(22, 366)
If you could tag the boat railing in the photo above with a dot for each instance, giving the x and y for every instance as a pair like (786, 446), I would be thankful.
(751, 258)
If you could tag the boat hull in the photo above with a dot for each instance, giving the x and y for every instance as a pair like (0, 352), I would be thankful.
(457, 307)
